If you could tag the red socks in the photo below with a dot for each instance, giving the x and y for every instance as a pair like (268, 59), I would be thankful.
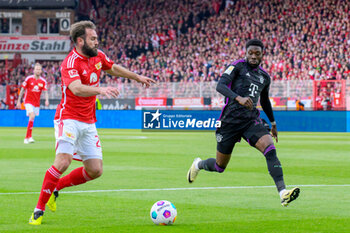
(75, 177)
(29, 129)
(50, 182)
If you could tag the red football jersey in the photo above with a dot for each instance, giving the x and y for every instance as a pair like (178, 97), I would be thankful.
(33, 88)
(76, 66)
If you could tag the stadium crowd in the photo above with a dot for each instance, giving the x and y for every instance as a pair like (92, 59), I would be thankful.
(191, 41)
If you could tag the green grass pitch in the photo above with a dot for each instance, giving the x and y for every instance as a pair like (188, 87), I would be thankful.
(139, 166)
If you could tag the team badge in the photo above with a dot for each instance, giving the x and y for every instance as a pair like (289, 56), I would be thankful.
(70, 135)
(219, 137)
(229, 70)
(261, 79)
(40, 84)
(98, 65)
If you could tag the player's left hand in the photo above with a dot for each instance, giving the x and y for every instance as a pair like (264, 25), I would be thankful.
(145, 81)
(274, 132)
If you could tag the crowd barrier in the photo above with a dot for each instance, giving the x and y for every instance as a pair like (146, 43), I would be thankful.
(308, 121)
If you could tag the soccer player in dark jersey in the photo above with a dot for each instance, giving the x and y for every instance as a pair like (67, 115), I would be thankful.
(243, 82)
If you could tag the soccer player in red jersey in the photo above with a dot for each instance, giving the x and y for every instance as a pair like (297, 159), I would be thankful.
(32, 86)
(75, 131)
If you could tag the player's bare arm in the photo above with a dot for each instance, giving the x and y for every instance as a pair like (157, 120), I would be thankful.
(46, 93)
(120, 71)
(80, 89)
(274, 132)
(19, 98)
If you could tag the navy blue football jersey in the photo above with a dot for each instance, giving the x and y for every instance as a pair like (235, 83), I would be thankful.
(245, 82)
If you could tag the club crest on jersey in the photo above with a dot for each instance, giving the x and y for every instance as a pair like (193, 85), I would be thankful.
(229, 70)
(40, 84)
(98, 65)
(261, 79)
(93, 78)
(70, 135)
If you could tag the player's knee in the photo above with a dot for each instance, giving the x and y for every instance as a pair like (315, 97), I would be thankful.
(270, 152)
(62, 161)
(31, 116)
(95, 172)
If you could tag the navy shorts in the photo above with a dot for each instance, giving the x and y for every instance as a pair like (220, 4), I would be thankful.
(228, 134)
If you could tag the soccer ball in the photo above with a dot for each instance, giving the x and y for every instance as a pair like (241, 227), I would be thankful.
(163, 213)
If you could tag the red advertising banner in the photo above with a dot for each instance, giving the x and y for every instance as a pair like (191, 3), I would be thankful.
(217, 102)
(188, 102)
(150, 102)
(34, 44)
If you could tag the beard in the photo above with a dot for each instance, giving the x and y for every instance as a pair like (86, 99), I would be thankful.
(253, 65)
(91, 52)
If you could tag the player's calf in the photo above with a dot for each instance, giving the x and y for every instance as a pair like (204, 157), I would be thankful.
(274, 167)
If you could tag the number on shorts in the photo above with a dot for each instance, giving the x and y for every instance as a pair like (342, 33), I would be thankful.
(98, 144)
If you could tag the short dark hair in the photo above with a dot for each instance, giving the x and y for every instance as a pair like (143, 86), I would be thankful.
(256, 42)
(78, 29)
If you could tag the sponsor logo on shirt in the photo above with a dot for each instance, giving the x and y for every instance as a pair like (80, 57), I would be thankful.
(35, 88)
(93, 78)
(98, 65)
(253, 89)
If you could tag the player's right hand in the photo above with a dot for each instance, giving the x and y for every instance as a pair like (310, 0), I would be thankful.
(245, 101)
(110, 92)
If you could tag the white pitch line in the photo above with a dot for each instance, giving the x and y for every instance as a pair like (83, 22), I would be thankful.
(177, 189)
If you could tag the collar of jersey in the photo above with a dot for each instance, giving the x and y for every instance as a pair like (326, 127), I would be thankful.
(79, 55)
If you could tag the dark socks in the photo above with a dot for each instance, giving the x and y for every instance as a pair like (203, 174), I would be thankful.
(274, 166)
(210, 165)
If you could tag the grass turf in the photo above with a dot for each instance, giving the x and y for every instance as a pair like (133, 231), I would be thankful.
(135, 160)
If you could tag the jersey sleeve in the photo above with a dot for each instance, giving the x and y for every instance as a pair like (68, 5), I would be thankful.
(225, 82)
(69, 75)
(231, 71)
(24, 84)
(106, 62)
(265, 101)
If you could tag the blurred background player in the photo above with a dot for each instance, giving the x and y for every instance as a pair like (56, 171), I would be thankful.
(75, 118)
(32, 86)
(243, 82)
